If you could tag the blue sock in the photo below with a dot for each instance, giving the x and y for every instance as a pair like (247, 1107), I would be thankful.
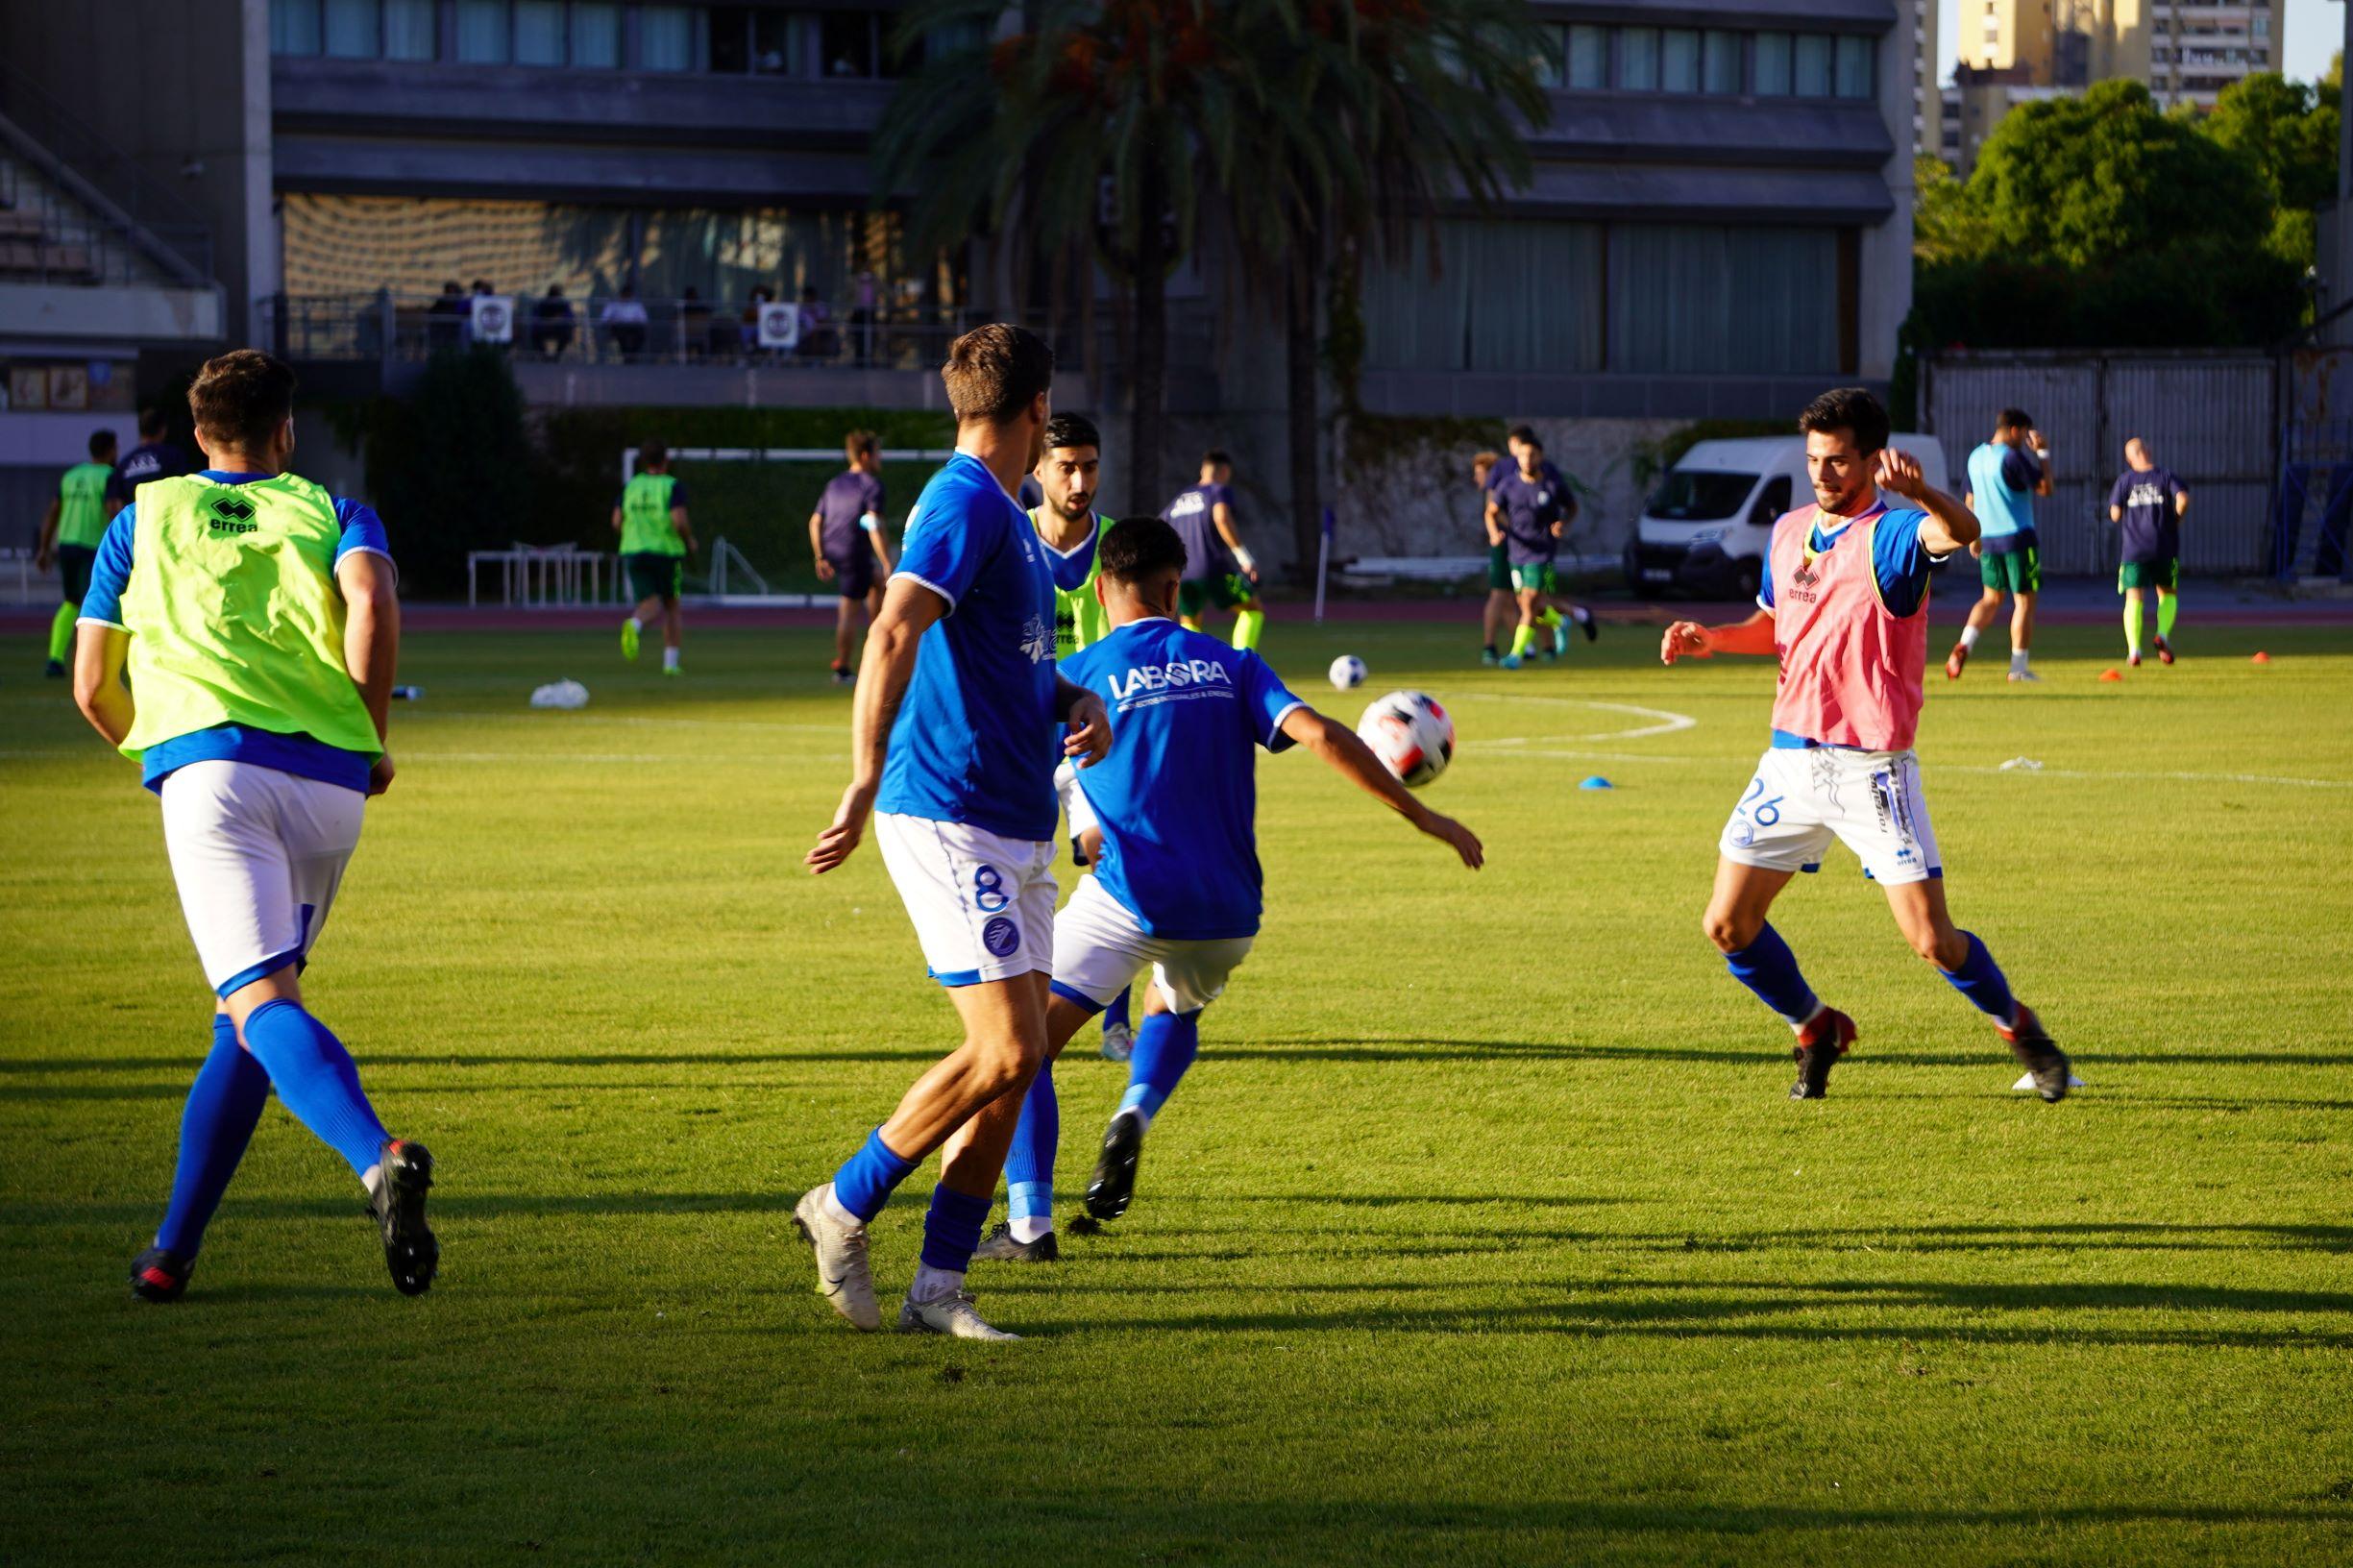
(867, 1178)
(952, 1229)
(1029, 1163)
(1767, 968)
(1164, 1047)
(317, 1080)
(1115, 1015)
(224, 1104)
(1981, 979)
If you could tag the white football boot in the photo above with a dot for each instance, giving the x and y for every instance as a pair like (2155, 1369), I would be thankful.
(844, 1276)
(953, 1315)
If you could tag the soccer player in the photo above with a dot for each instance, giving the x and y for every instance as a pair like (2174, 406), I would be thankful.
(153, 458)
(1502, 607)
(1845, 608)
(1220, 569)
(255, 615)
(2004, 477)
(70, 531)
(2148, 501)
(1069, 525)
(1177, 888)
(1530, 504)
(845, 536)
(952, 753)
(655, 540)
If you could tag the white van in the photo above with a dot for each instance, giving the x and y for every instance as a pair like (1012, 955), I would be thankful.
(1708, 520)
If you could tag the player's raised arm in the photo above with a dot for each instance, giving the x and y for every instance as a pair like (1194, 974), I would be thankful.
(1690, 639)
(909, 609)
(1950, 526)
(1352, 759)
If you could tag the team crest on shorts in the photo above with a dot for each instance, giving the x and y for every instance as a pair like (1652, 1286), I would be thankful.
(1000, 936)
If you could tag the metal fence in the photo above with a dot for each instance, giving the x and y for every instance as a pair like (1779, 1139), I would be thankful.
(2211, 418)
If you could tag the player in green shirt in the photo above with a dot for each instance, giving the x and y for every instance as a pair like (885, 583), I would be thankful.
(655, 540)
(70, 535)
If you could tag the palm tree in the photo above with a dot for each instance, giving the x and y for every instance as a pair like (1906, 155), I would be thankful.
(1095, 130)
(1369, 119)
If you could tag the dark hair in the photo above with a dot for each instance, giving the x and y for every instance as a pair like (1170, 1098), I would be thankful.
(2015, 418)
(1065, 431)
(652, 455)
(152, 421)
(1137, 550)
(858, 443)
(1849, 408)
(1524, 435)
(101, 441)
(240, 398)
(1483, 463)
(1216, 456)
(995, 372)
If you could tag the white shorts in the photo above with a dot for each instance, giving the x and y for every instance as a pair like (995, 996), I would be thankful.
(1869, 801)
(1076, 808)
(983, 906)
(1100, 948)
(258, 855)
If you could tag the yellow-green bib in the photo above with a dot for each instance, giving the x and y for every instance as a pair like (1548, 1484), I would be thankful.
(234, 615)
(644, 517)
(82, 504)
(1079, 617)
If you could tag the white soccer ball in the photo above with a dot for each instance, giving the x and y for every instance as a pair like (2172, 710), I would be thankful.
(1348, 672)
(1411, 734)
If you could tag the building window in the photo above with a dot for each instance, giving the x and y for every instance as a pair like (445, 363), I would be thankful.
(408, 30)
(1548, 62)
(294, 27)
(595, 33)
(1811, 66)
(1678, 59)
(539, 31)
(1773, 78)
(352, 31)
(1638, 59)
(482, 32)
(1854, 67)
(1588, 56)
(849, 43)
(674, 39)
(1723, 63)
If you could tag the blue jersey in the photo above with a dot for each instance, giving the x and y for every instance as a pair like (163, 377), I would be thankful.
(2001, 481)
(1178, 794)
(975, 740)
(296, 755)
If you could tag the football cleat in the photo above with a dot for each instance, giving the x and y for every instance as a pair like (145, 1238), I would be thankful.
(1560, 639)
(2026, 674)
(55, 670)
(2164, 652)
(1509, 661)
(2133, 662)
(1118, 1042)
(953, 1315)
(2039, 1055)
(628, 639)
(844, 1276)
(405, 1172)
(843, 678)
(672, 671)
(1584, 618)
(1957, 661)
(999, 1247)
(1112, 1186)
(159, 1276)
(1489, 657)
(1820, 1045)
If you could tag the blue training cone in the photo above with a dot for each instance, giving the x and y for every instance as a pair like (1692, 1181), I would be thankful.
(1597, 782)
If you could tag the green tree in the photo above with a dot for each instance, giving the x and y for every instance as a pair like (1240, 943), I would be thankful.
(2289, 130)
(450, 467)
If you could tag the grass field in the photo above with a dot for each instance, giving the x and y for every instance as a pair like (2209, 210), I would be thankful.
(1482, 1232)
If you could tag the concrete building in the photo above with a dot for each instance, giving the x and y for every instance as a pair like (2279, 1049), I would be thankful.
(2187, 51)
(1975, 101)
(1719, 222)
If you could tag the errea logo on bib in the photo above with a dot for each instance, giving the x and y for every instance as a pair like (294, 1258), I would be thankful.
(1175, 674)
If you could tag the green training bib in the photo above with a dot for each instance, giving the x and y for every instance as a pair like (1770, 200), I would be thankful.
(82, 504)
(645, 528)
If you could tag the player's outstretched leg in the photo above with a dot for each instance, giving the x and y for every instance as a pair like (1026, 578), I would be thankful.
(2169, 606)
(1970, 970)
(1164, 1047)
(1119, 1034)
(832, 1219)
(1027, 1236)
(224, 1105)
(1758, 957)
(1553, 621)
(2132, 627)
(317, 1080)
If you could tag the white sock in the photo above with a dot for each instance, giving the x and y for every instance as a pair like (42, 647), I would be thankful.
(1028, 1228)
(834, 1211)
(636, 622)
(2018, 658)
(1969, 638)
(934, 1283)
(669, 659)
(1797, 1026)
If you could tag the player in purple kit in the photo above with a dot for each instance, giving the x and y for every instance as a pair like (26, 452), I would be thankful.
(1530, 504)
(845, 535)
(2147, 503)
(1218, 567)
(153, 458)
(953, 737)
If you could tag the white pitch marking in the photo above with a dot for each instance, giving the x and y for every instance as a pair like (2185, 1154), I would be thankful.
(1668, 722)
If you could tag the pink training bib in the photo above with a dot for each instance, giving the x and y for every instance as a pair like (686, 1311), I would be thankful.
(1851, 670)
